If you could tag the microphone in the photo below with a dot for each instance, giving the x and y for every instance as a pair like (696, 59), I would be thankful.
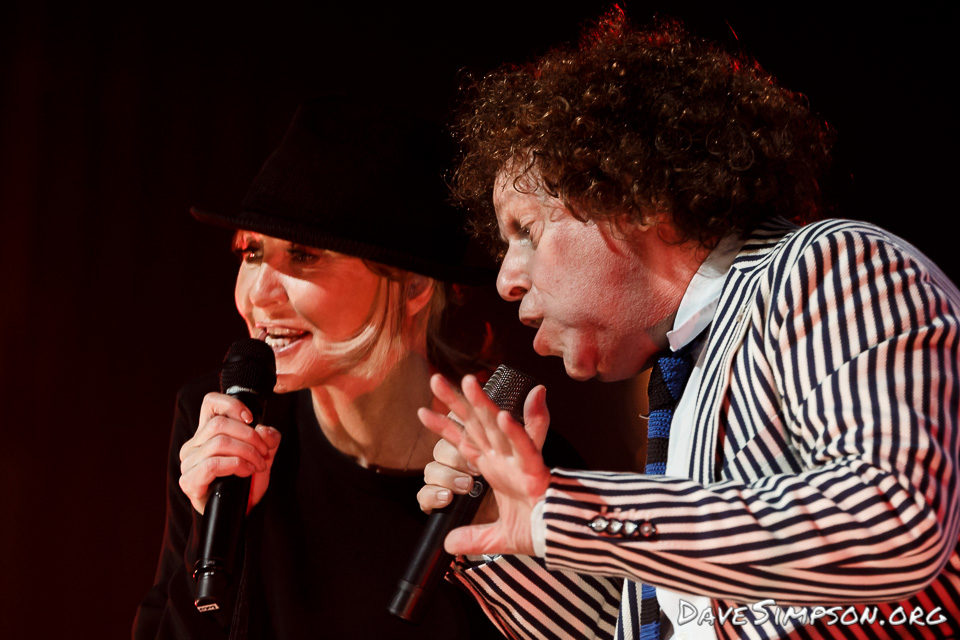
(508, 388)
(249, 373)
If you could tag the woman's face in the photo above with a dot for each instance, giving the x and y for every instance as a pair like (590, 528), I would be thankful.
(307, 300)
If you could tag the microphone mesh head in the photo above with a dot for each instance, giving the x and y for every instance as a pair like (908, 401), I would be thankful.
(508, 388)
(249, 364)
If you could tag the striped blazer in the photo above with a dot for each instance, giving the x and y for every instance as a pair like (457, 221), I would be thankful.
(821, 500)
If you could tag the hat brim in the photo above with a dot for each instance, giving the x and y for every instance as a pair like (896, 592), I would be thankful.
(478, 271)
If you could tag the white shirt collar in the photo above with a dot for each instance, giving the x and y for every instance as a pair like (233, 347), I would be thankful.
(703, 293)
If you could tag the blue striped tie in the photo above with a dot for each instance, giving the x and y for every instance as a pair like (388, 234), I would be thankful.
(667, 380)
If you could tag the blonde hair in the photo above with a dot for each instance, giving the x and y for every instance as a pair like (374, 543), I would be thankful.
(387, 333)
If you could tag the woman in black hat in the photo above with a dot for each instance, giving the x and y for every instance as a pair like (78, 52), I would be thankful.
(345, 241)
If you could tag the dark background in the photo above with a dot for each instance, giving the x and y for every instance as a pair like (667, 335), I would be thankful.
(114, 120)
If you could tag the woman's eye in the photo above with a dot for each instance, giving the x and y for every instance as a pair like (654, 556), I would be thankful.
(248, 253)
(299, 256)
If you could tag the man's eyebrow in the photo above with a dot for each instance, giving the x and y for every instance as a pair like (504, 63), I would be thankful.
(510, 226)
(502, 226)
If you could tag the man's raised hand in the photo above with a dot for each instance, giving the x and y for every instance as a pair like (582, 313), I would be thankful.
(499, 448)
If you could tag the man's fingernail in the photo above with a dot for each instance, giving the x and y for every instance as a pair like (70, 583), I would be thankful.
(463, 484)
(443, 495)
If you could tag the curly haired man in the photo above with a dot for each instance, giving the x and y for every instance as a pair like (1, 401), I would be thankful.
(653, 196)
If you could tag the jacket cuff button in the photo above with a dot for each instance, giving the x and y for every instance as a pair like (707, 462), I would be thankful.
(599, 524)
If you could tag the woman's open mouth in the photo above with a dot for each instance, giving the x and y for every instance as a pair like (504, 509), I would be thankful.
(280, 339)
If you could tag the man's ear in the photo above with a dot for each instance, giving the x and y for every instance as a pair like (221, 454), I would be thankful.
(625, 226)
(418, 290)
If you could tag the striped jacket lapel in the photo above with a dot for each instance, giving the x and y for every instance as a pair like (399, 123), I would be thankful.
(726, 334)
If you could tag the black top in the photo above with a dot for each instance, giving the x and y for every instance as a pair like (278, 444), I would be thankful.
(324, 548)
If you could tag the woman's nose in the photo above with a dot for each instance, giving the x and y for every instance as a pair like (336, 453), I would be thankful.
(513, 281)
(267, 287)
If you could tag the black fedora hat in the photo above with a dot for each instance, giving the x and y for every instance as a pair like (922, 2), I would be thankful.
(363, 178)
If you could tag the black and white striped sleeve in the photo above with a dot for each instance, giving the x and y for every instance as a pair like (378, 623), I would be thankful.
(527, 601)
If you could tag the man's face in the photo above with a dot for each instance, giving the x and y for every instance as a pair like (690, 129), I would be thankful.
(601, 297)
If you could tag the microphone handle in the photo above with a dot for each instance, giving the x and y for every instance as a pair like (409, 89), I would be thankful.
(508, 388)
(429, 560)
(221, 528)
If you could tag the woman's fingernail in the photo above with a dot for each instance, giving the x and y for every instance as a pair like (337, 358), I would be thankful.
(443, 495)
(246, 416)
(268, 432)
(463, 484)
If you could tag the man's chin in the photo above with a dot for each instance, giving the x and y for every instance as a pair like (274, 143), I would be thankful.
(587, 367)
(579, 377)
(578, 371)
(599, 372)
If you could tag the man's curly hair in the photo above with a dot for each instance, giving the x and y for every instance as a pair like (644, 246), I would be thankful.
(641, 122)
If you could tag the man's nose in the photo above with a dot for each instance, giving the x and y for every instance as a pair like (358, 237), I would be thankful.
(513, 281)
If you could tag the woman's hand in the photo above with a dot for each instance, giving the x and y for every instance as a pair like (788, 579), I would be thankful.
(497, 447)
(225, 445)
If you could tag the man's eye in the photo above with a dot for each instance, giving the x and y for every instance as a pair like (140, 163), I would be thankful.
(525, 234)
